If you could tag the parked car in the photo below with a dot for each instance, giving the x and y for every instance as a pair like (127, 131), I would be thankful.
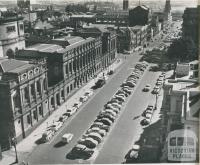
(82, 150)
(100, 83)
(66, 138)
(156, 90)
(83, 98)
(159, 83)
(147, 88)
(98, 130)
(71, 111)
(88, 142)
(145, 122)
(77, 104)
(56, 126)
(106, 121)
(120, 98)
(96, 136)
(63, 118)
(89, 93)
(133, 153)
(47, 135)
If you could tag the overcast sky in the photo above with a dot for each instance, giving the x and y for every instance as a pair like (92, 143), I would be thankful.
(186, 2)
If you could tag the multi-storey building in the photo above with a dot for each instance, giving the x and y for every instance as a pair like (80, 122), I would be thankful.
(23, 94)
(107, 37)
(190, 24)
(139, 15)
(31, 91)
(180, 109)
(125, 4)
(11, 34)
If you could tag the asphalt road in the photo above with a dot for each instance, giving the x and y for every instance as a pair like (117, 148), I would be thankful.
(48, 153)
(126, 129)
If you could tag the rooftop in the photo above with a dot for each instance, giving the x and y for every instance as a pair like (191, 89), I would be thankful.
(182, 85)
(51, 48)
(11, 65)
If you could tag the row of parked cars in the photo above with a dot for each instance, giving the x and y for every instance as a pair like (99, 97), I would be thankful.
(104, 120)
(159, 84)
(53, 128)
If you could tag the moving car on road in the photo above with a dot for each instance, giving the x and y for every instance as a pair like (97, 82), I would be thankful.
(147, 88)
(66, 138)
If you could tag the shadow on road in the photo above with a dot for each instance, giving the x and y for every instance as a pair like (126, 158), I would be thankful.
(59, 144)
(72, 156)
(150, 148)
(39, 141)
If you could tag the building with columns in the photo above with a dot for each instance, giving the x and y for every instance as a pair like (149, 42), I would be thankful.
(23, 94)
(11, 34)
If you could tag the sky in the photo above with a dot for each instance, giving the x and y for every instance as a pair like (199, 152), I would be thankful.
(186, 2)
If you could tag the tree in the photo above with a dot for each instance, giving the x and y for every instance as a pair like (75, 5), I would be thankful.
(183, 50)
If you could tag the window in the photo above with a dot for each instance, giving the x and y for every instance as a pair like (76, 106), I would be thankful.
(173, 141)
(21, 26)
(190, 141)
(28, 119)
(66, 69)
(10, 29)
(180, 141)
(35, 114)
(40, 111)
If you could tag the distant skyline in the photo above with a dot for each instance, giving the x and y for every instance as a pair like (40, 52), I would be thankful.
(181, 2)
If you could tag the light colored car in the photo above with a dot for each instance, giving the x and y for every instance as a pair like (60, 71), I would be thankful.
(147, 88)
(156, 90)
(96, 136)
(56, 126)
(116, 105)
(120, 98)
(71, 111)
(159, 83)
(133, 153)
(77, 104)
(89, 93)
(66, 138)
(47, 135)
(83, 99)
(148, 115)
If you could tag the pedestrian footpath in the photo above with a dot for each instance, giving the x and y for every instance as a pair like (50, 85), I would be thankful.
(26, 146)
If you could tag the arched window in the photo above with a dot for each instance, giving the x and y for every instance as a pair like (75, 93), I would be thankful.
(10, 53)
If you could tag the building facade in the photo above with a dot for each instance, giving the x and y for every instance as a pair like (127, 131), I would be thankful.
(180, 110)
(139, 15)
(23, 91)
(11, 35)
(190, 24)
(31, 92)
(125, 4)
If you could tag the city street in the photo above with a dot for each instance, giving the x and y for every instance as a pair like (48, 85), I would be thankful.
(125, 130)
(128, 130)
(46, 153)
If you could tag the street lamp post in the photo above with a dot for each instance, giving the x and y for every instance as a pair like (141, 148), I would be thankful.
(14, 141)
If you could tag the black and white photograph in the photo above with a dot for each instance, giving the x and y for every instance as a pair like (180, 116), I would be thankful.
(99, 82)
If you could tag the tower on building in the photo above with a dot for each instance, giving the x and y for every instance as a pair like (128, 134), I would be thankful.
(125, 4)
(167, 11)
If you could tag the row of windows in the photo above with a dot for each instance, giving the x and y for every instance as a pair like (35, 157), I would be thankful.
(181, 141)
(81, 48)
(13, 28)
